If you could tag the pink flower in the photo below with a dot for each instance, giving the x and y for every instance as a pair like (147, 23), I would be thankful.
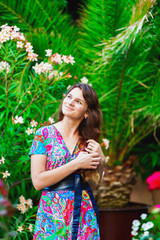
(154, 181)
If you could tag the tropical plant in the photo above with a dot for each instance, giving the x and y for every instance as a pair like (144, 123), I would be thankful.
(29, 96)
(45, 25)
(148, 154)
(123, 65)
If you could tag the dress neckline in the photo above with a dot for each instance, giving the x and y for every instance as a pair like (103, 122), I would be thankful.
(59, 133)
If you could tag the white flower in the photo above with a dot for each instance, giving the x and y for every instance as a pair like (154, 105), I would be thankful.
(143, 216)
(20, 229)
(29, 131)
(135, 228)
(28, 46)
(16, 29)
(33, 123)
(6, 174)
(2, 160)
(60, 74)
(48, 52)
(30, 227)
(51, 75)
(22, 199)
(32, 56)
(34, 130)
(68, 86)
(90, 84)
(51, 120)
(84, 80)
(43, 68)
(136, 222)
(19, 44)
(147, 226)
(150, 225)
(106, 143)
(4, 66)
(55, 73)
(22, 207)
(4, 26)
(65, 59)
(24, 204)
(56, 58)
(134, 233)
(47, 67)
(18, 120)
(29, 202)
(4, 36)
(38, 67)
(14, 35)
(146, 233)
(21, 37)
(71, 59)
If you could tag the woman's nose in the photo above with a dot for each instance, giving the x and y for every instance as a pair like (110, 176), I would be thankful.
(71, 101)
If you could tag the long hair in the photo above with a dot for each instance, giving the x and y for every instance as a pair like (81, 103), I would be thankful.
(90, 127)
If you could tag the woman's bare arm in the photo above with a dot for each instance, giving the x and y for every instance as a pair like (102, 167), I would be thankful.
(42, 178)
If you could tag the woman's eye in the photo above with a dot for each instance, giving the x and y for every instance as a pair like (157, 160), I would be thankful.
(68, 96)
(79, 101)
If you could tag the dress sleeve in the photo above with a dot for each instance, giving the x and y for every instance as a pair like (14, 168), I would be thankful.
(38, 144)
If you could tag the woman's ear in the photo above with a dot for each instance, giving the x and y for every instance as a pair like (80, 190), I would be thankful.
(86, 115)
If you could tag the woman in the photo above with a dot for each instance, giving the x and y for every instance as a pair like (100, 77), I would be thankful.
(60, 155)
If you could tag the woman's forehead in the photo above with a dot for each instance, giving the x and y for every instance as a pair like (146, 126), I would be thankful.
(77, 92)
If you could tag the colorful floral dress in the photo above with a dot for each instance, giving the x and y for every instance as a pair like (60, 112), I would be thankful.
(55, 211)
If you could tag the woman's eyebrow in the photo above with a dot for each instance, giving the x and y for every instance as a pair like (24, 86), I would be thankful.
(76, 98)
(80, 99)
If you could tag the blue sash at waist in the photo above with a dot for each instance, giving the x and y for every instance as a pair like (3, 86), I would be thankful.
(74, 183)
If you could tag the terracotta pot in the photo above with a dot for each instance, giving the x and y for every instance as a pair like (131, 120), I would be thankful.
(116, 223)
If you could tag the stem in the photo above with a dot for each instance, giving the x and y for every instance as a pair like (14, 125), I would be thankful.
(33, 99)
(6, 86)
(118, 97)
(18, 182)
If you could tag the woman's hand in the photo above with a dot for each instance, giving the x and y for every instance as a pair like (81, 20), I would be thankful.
(87, 160)
(94, 147)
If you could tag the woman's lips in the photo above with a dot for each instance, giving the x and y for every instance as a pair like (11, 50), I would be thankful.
(69, 108)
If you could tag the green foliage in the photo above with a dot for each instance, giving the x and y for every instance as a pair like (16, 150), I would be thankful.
(148, 158)
(28, 92)
(45, 25)
(116, 46)
(124, 69)
(148, 228)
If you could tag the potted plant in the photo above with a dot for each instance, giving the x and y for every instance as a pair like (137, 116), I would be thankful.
(126, 66)
(123, 65)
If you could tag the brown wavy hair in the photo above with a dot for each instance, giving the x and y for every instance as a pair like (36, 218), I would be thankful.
(90, 127)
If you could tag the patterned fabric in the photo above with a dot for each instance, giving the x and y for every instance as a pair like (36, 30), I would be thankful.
(55, 211)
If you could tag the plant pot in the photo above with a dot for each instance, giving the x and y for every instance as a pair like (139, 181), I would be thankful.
(116, 223)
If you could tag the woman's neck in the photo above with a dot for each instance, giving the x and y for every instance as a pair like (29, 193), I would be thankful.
(68, 127)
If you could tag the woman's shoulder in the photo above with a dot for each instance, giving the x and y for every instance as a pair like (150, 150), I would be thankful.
(45, 129)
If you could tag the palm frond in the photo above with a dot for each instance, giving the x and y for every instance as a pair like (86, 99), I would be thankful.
(29, 15)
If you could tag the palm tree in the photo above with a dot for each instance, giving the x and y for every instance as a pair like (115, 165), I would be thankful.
(124, 67)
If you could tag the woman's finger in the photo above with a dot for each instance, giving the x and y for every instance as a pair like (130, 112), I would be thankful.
(88, 150)
(91, 141)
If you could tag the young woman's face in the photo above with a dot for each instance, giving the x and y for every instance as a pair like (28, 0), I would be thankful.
(74, 105)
